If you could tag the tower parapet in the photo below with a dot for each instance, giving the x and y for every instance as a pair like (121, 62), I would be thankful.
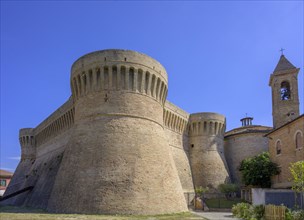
(207, 123)
(119, 70)
(208, 164)
(27, 142)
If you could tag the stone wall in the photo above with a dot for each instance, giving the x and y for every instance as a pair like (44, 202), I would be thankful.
(124, 148)
(38, 171)
(284, 149)
(59, 121)
(284, 111)
(176, 121)
(41, 152)
(118, 146)
(207, 160)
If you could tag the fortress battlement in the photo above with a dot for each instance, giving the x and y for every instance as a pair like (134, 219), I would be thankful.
(64, 108)
(23, 132)
(119, 56)
(175, 118)
(124, 139)
(207, 123)
(118, 70)
(59, 121)
(27, 143)
(119, 135)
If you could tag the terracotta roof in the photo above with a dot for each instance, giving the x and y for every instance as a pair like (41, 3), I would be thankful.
(4, 173)
(248, 129)
(283, 64)
(266, 135)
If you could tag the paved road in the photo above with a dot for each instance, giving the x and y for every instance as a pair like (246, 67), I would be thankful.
(217, 215)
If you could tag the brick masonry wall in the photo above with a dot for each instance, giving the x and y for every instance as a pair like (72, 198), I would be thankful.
(118, 157)
(289, 152)
(240, 146)
(181, 158)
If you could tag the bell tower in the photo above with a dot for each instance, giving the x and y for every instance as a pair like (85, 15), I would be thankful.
(285, 99)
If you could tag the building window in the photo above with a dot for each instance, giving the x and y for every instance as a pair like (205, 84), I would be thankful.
(285, 90)
(299, 140)
(2, 182)
(278, 147)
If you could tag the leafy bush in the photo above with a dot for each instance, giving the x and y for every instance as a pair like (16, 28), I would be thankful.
(200, 190)
(259, 211)
(241, 210)
(298, 215)
(248, 212)
(288, 215)
(228, 188)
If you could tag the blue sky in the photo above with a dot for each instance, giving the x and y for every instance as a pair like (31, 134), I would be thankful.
(218, 55)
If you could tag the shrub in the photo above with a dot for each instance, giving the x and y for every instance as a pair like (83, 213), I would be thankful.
(259, 211)
(248, 212)
(298, 215)
(288, 215)
(201, 190)
(241, 210)
(228, 188)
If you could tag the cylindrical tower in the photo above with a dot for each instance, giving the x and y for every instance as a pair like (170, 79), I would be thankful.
(118, 159)
(208, 164)
(27, 143)
(20, 178)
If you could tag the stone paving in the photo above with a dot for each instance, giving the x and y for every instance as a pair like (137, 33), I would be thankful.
(217, 215)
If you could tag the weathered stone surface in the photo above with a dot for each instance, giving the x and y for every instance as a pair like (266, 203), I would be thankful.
(208, 163)
(286, 141)
(291, 149)
(117, 146)
(241, 143)
(120, 157)
(39, 171)
(285, 110)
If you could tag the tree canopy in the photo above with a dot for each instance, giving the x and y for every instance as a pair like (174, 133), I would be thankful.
(297, 172)
(228, 188)
(257, 171)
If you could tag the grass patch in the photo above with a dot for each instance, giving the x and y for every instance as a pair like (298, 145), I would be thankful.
(25, 213)
(221, 203)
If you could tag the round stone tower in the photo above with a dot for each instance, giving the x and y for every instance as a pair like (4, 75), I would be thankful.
(118, 160)
(27, 143)
(208, 164)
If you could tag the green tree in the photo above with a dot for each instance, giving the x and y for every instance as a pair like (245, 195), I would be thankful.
(228, 189)
(257, 171)
(199, 191)
(297, 173)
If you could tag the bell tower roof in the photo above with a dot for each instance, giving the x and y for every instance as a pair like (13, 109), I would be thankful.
(283, 64)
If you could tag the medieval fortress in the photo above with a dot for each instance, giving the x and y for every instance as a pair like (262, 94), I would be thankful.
(118, 146)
